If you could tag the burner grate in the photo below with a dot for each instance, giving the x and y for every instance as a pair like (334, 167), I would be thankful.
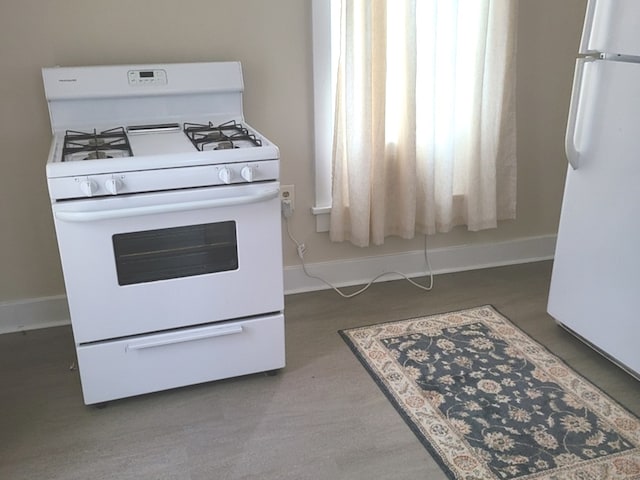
(220, 137)
(95, 145)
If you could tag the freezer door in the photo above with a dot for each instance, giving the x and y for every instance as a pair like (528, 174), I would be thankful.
(595, 285)
(612, 26)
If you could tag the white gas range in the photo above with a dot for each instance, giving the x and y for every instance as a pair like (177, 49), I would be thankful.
(167, 216)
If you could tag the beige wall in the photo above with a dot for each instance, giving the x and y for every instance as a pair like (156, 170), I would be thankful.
(273, 41)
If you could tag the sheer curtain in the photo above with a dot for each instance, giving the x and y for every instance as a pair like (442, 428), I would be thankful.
(424, 135)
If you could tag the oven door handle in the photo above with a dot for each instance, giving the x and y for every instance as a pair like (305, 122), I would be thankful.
(173, 339)
(94, 215)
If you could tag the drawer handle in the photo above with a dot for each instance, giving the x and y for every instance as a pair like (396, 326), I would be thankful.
(184, 338)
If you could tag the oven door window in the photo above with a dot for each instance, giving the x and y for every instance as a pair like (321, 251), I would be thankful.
(175, 252)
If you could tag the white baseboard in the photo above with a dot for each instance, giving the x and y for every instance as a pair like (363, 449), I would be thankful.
(360, 271)
(45, 312)
(34, 313)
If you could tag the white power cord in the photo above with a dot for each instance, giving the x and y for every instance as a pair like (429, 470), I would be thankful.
(301, 249)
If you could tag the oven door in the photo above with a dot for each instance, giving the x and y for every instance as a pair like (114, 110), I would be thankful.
(157, 261)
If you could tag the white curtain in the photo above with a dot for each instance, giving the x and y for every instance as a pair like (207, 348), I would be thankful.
(424, 135)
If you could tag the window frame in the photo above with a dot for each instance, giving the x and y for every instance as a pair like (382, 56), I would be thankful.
(324, 67)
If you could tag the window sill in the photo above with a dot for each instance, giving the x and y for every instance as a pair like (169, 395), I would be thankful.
(322, 218)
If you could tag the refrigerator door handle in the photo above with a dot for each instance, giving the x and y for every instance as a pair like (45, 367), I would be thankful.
(570, 143)
(588, 27)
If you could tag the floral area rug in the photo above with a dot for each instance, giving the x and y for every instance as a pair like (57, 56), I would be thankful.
(489, 402)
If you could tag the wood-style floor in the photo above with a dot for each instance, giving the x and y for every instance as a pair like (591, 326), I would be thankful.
(322, 417)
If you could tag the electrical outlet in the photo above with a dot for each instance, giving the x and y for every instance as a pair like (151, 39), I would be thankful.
(288, 195)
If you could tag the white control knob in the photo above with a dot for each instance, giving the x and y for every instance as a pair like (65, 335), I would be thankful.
(112, 186)
(247, 173)
(88, 187)
(224, 174)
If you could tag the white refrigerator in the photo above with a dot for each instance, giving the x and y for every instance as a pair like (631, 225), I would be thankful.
(595, 284)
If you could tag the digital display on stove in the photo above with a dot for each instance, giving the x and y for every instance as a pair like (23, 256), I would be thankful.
(146, 74)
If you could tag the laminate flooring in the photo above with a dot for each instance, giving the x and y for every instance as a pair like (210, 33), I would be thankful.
(321, 417)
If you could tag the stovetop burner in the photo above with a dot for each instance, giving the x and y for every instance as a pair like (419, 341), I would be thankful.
(95, 145)
(96, 155)
(220, 137)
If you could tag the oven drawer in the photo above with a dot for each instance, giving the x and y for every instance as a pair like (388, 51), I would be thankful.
(149, 363)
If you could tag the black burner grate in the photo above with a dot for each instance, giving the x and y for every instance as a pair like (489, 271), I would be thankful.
(219, 137)
(96, 145)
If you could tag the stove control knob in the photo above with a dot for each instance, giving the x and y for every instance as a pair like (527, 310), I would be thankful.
(247, 173)
(88, 187)
(112, 186)
(224, 174)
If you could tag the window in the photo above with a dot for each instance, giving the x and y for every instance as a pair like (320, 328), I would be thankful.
(175, 252)
(425, 116)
